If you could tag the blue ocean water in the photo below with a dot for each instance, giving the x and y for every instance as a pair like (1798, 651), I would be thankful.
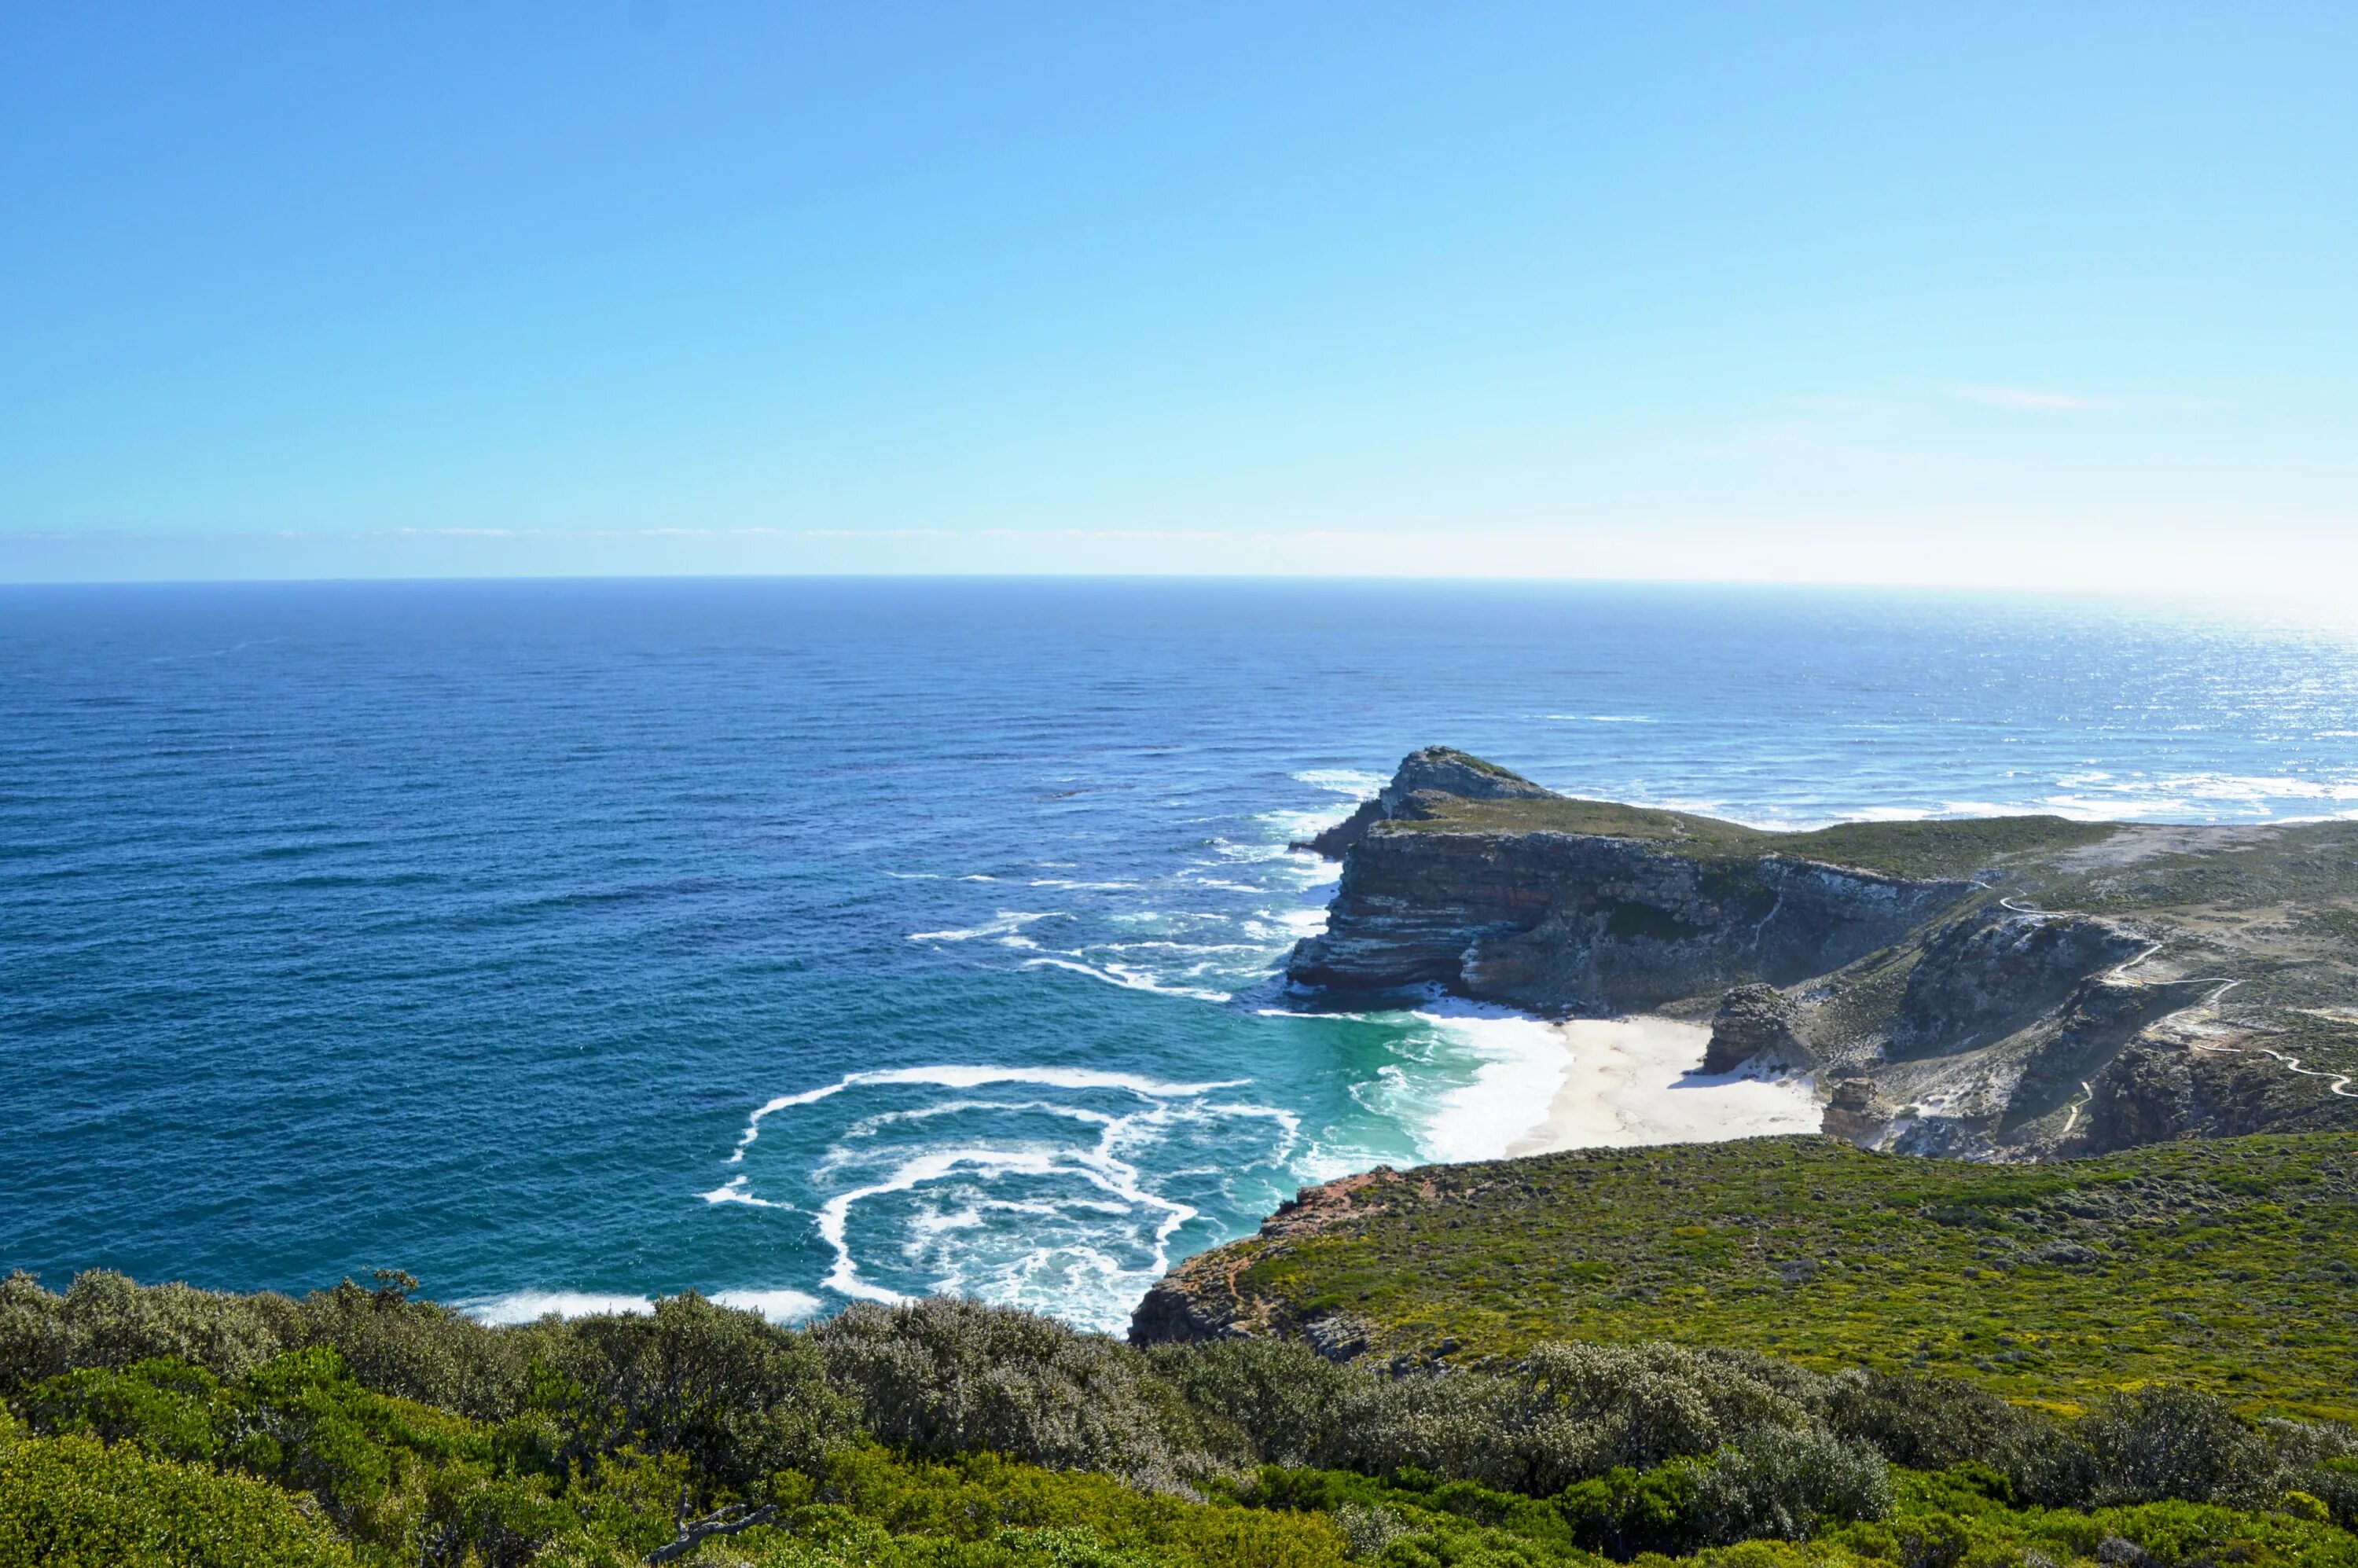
(564, 943)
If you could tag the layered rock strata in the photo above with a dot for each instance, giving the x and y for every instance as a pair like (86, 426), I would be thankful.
(1941, 1008)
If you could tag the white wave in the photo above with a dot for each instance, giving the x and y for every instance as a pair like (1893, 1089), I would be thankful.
(530, 1307)
(1097, 1168)
(1087, 887)
(959, 1075)
(1230, 849)
(868, 1126)
(1520, 1064)
(1289, 827)
(777, 1305)
(734, 1191)
(1127, 977)
(1005, 922)
(1342, 781)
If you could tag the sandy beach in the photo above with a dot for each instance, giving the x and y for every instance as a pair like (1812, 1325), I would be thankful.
(1634, 1080)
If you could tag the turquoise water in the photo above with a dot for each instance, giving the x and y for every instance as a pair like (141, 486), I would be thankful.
(566, 943)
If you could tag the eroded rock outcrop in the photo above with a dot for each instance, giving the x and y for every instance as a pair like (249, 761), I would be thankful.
(1441, 771)
(1569, 924)
(1754, 1027)
(1994, 972)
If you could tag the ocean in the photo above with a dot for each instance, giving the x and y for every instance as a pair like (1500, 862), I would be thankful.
(802, 941)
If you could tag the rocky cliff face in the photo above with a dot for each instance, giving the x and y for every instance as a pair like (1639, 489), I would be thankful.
(1437, 771)
(1904, 965)
(1569, 924)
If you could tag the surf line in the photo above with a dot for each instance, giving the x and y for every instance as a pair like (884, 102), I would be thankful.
(960, 1077)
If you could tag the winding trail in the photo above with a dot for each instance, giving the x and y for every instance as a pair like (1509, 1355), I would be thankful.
(2339, 1085)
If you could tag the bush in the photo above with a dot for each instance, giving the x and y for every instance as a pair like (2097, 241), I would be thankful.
(2164, 1442)
(1280, 1394)
(104, 1320)
(169, 1410)
(945, 1376)
(735, 1397)
(419, 1350)
(70, 1502)
(1568, 1413)
(1785, 1486)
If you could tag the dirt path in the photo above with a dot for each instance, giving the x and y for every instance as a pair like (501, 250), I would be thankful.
(2339, 1084)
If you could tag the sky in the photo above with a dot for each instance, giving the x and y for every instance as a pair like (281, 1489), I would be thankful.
(2054, 296)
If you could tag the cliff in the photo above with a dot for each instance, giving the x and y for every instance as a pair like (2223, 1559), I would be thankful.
(1978, 986)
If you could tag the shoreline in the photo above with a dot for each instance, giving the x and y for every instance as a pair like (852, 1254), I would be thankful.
(1634, 1081)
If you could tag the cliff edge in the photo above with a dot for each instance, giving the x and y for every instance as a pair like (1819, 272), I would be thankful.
(2002, 988)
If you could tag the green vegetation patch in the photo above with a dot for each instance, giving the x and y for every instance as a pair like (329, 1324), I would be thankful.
(1924, 848)
(2228, 1265)
(949, 1434)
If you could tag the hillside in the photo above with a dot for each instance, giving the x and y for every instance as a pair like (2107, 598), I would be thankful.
(2229, 1265)
(2010, 988)
(166, 1427)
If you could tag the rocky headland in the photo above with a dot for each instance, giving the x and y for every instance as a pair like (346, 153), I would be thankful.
(2006, 987)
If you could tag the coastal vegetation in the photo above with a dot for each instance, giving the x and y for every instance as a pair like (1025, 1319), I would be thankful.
(361, 1426)
(2227, 1265)
(1953, 847)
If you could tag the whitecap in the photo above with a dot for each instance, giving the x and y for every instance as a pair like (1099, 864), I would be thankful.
(1127, 977)
(734, 1191)
(959, 1075)
(779, 1306)
(1006, 921)
(1342, 781)
(530, 1307)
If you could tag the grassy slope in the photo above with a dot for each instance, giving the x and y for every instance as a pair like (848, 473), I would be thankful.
(2231, 1265)
(1902, 848)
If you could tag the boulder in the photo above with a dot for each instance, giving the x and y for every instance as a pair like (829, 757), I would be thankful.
(1754, 1027)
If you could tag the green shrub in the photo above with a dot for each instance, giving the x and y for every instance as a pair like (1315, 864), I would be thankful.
(71, 1502)
(1783, 1484)
(104, 1320)
(945, 1376)
(736, 1397)
(1282, 1395)
(1625, 1511)
(419, 1350)
(168, 1409)
(2165, 1442)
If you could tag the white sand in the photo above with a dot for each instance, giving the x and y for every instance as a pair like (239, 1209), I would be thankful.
(1639, 1081)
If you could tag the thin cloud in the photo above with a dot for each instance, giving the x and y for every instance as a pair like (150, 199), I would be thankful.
(2032, 399)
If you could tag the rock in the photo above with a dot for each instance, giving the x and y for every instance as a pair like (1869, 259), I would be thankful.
(1995, 971)
(1335, 842)
(1435, 771)
(1172, 1314)
(1855, 1113)
(1442, 769)
(1755, 1026)
(1977, 1020)
(1338, 1338)
(1569, 924)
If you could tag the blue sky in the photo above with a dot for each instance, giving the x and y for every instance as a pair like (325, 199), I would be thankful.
(2043, 294)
